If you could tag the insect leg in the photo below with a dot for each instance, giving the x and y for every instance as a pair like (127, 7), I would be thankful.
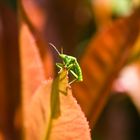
(60, 66)
(74, 74)
(70, 66)
(72, 81)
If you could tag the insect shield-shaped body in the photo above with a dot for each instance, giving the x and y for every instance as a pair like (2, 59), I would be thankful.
(70, 63)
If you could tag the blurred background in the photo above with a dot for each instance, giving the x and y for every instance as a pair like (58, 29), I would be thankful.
(103, 35)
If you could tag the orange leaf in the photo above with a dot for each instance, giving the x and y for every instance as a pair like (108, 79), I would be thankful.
(41, 125)
(103, 59)
(44, 116)
(36, 61)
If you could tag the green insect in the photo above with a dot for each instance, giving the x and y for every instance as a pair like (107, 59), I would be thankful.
(70, 63)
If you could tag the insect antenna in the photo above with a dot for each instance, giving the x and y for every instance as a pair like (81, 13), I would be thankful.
(54, 48)
(61, 50)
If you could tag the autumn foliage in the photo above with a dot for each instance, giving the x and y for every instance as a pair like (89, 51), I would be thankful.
(37, 102)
